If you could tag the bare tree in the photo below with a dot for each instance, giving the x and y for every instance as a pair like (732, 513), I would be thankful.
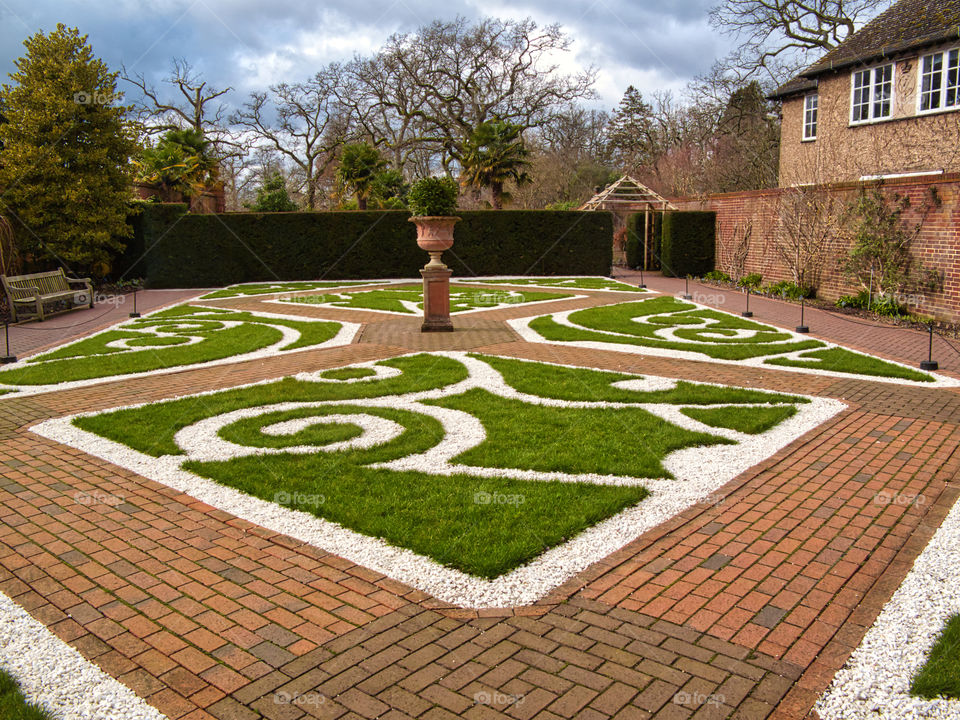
(303, 123)
(813, 221)
(776, 35)
(195, 106)
(431, 88)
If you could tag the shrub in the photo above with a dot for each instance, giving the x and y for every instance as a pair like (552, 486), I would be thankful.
(790, 290)
(717, 276)
(751, 280)
(433, 196)
(886, 305)
(688, 243)
(634, 240)
(175, 249)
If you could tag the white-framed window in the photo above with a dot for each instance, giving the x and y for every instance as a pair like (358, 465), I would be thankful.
(872, 94)
(940, 80)
(810, 103)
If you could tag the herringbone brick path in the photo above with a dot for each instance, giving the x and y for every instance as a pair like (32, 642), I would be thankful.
(743, 607)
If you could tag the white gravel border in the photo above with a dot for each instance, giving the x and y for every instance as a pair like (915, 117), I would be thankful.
(874, 684)
(499, 280)
(55, 675)
(348, 331)
(522, 327)
(345, 283)
(699, 473)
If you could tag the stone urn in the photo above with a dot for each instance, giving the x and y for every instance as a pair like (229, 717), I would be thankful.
(435, 234)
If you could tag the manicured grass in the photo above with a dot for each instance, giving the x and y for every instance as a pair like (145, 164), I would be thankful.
(484, 527)
(753, 420)
(846, 361)
(586, 283)
(551, 330)
(608, 441)
(151, 429)
(274, 288)
(92, 358)
(14, 706)
(585, 384)
(940, 675)
(393, 299)
(347, 373)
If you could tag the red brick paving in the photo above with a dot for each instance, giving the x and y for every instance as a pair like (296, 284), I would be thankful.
(742, 608)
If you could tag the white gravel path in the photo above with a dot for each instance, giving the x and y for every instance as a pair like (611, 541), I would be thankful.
(522, 327)
(56, 676)
(699, 473)
(875, 682)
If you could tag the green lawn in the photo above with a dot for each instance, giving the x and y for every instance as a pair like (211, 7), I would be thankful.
(940, 675)
(584, 283)
(276, 288)
(170, 347)
(393, 299)
(754, 422)
(14, 706)
(711, 333)
(482, 526)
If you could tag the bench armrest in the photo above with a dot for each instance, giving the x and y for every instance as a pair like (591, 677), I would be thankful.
(82, 281)
(31, 293)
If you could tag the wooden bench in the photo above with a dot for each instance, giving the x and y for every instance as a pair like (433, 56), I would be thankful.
(35, 289)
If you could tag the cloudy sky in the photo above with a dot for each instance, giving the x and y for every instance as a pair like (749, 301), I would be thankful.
(249, 44)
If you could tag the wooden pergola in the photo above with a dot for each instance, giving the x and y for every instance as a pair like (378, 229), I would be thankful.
(628, 196)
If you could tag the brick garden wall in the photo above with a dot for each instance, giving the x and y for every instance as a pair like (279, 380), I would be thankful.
(936, 247)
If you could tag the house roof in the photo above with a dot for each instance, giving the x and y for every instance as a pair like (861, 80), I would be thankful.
(627, 192)
(908, 25)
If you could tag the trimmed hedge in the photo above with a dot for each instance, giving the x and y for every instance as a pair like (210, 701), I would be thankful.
(192, 250)
(688, 243)
(635, 240)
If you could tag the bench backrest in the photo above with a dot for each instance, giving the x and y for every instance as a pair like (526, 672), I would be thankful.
(20, 286)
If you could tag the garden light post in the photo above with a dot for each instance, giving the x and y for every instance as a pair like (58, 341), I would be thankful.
(801, 328)
(930, 363)
(642, 285)
(747, 313)
(686, 289)
(8, 358)
(134, 314)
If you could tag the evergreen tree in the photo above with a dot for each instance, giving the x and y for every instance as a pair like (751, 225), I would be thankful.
(272, 196)
(494, 154)
(631, 139)
(66, 172)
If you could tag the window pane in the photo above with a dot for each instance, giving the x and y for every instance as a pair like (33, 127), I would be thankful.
(953, 78)
(931, 79)
(882, 91)
(810, 103)
(861, 96)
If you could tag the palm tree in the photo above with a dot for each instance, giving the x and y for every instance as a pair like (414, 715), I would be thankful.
(360, 165)
(493, 155)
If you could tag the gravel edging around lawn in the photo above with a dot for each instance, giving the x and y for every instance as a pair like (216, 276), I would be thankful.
(699, 472)
(55, 675)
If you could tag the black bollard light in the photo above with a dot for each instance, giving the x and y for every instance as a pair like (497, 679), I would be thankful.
(686, 289)
(801, 328)
(8, 358)
(134, 314)
(929, 363)
(641, 285)
(747, 313)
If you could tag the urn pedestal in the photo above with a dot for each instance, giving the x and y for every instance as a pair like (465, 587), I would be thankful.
(435, 234)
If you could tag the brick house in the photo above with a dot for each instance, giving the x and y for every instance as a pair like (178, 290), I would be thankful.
(883, 103)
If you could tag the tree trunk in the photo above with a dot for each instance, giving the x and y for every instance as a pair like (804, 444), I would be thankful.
(496, 195)
(361, 202)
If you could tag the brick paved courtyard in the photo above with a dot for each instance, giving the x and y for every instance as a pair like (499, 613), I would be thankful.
(741, 607)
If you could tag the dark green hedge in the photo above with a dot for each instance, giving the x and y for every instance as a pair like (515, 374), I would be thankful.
(181, 250)
(688, 241)
(635, 240)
